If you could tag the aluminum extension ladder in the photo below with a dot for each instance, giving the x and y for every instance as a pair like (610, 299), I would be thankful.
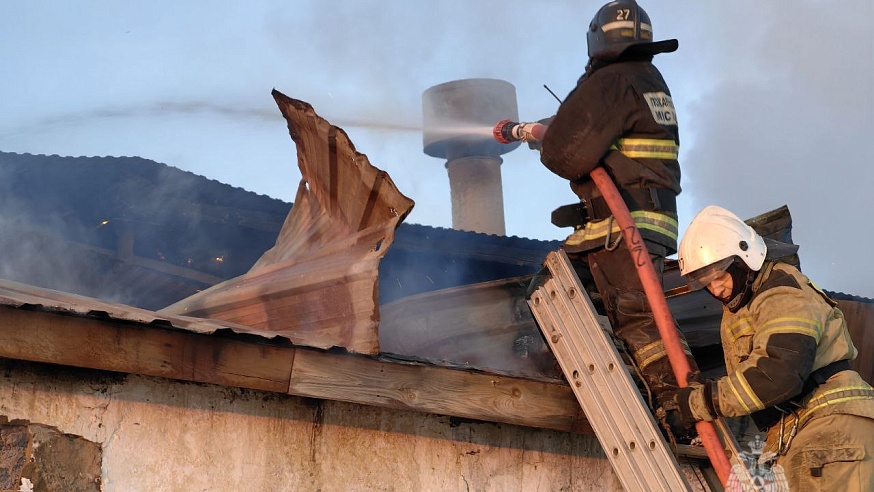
(580, 340)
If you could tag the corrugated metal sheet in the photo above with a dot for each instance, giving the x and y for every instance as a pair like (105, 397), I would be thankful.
(23, 296)
(318, 285)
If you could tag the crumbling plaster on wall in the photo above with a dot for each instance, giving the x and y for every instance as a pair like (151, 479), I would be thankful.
(158, 435)
(38, 458)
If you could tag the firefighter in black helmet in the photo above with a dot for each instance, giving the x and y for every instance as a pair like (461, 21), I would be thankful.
(621, 25)
(621, 116)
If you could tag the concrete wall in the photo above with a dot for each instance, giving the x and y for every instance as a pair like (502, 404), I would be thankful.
(161, 435)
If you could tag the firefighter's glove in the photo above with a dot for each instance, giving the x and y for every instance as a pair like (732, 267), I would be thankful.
(669, 414)
(677, 425)
(696, 402)
(535, 144)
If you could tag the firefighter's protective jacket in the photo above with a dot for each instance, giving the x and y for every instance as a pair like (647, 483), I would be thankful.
(621, 116)
(786, 331)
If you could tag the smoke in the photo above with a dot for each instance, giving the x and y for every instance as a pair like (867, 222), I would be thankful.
(188, 108)
(28, 238)
(771, 97)
(782, 120)
(65, 219)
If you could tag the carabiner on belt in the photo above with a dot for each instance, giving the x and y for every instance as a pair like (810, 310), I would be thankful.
(782, 448)
(607, 245)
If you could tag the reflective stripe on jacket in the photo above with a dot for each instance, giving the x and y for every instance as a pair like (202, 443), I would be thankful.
(658, 227)
(647, 148)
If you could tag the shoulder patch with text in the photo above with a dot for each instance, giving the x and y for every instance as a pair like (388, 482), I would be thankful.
(662, 107)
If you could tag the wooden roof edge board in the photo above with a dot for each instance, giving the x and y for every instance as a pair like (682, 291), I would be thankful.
(444, 391)
(110, 345)
(400, 359)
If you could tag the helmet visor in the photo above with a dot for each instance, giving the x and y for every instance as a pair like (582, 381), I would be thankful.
(704, 275)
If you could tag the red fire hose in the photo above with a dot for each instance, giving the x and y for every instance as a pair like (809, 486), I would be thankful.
(664, 320)
(507, 131)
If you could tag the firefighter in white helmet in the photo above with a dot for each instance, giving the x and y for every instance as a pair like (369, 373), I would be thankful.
(787, 352)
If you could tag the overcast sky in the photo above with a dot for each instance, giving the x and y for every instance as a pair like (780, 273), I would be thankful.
(773, 98)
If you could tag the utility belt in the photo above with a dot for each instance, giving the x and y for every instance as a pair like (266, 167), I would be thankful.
(661, 199)
(767, 418)
(596, 208)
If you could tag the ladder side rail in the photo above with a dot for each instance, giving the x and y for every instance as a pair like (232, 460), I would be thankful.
(611, 375)
(601, 418)
(601, 382)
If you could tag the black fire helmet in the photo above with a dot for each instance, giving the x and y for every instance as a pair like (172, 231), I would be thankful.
(620, 25)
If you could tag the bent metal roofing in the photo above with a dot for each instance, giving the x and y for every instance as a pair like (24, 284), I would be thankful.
(42, 325)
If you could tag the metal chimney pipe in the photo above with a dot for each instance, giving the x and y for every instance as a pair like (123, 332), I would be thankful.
(458, 120)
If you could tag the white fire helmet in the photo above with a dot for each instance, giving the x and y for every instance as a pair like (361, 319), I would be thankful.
(712, 240)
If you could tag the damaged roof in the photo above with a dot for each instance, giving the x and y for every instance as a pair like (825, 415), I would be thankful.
(334, 298)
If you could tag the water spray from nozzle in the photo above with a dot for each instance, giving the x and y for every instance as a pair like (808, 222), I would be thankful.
(507, 131)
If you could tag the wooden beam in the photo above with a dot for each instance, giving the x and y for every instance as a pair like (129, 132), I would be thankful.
(140, 349)
(431, 389)
(243, 362)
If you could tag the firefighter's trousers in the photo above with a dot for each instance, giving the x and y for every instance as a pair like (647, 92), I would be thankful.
(833, 452)
(626, 306)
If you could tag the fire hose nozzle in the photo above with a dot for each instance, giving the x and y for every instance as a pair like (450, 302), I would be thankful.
(507, 131)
